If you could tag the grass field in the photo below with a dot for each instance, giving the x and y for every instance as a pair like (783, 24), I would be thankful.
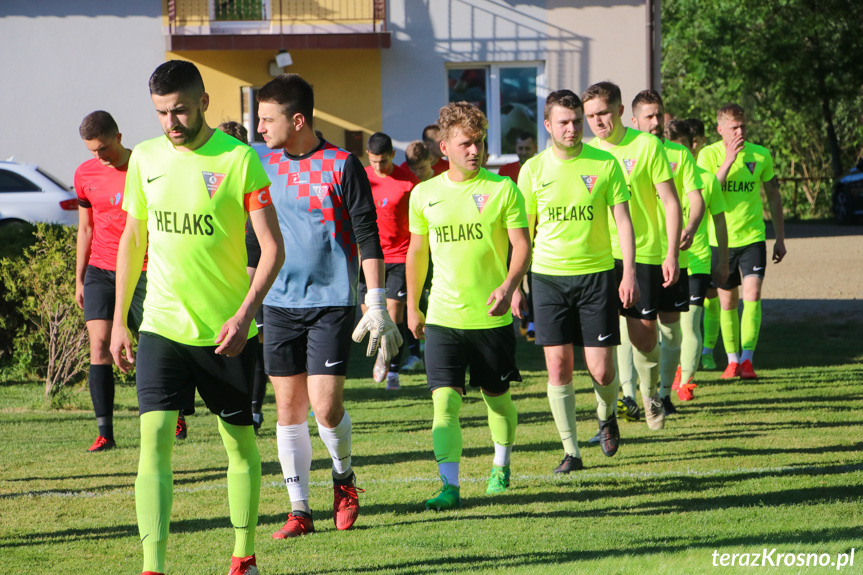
(746, 467)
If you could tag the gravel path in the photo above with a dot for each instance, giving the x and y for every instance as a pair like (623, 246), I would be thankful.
(822, 274)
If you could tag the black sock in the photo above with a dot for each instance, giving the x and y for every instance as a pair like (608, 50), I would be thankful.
(396, 360)
(101, 381)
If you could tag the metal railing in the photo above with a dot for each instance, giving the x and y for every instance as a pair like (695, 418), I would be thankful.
(196, 13)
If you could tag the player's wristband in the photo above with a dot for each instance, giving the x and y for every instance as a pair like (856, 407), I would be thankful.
(376, 298)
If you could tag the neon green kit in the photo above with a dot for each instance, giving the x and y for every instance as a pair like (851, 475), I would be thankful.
(467, 224)
(644, 164)
(193, 203)
(570, 199)
(686, 179)
(744, 215)
(714, 202)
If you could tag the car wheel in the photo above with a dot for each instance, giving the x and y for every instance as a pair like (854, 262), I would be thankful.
(16, 226)
(842, 208)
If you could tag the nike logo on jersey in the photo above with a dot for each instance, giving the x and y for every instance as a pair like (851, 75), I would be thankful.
(680, 303)
(329, 363)
(402, 293)
(223, 415)
(604, 337)
(505, 377)
(645, 311)
(757, 269)
(546, 184)
(435, 203)
(151, 180)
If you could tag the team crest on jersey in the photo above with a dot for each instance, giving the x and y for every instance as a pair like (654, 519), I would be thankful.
(212, 181)
(673, 166)
(321, 190)
(383, 202)
(116, 198)
(751, 166)
(480, 200)
(589, 182)
(629, 165)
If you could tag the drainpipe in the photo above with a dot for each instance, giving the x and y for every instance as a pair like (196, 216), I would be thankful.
(652, 9)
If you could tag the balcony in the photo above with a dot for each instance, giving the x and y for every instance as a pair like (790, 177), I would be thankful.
(276, 24)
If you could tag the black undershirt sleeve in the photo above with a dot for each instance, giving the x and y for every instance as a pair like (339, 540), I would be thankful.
(357, 195)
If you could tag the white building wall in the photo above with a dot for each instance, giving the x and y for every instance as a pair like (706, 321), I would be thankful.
(579, 41)
(63, 59)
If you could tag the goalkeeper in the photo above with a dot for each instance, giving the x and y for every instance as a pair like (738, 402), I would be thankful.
(468, 218)
(327, 214)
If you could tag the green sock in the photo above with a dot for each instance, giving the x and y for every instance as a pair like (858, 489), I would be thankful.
(561, 398)
(711, 322)
(502, 418)
(730, 328)
(154, 486)
(750, 324)
(670, 337)
(446, 429)
(244, 484)
(690, 347)
(623, 361)
(647, 367)
(606, 398)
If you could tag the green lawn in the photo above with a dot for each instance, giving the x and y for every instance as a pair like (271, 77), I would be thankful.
(744, 467)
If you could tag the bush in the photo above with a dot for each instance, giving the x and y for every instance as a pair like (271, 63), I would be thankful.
(52, 340)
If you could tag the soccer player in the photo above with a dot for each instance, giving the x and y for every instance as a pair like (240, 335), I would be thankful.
(743, 169)
(699, 271)
(525, 149)
(327, 216)
(468, 218)
(99, 184)
(418, 161)
(648, 175)
(189, 194)
(570, 191)
(648, 115)
(391, 188)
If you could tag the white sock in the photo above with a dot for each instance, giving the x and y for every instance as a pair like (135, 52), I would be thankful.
(449, 471)
(732, 358)
(338, 442)
(747, 355)
(501, 454)
(295, 455)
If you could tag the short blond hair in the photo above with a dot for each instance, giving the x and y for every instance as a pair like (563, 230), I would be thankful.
(730, 111)
(462, 116)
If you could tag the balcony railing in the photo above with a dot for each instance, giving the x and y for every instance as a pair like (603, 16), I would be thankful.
(214, 17)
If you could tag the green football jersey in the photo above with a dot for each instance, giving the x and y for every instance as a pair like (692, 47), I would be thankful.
(571, 199)
(686, 179)
(714, 203)
(193, 203)
(745, 214)
(466, 223)
(644, 164)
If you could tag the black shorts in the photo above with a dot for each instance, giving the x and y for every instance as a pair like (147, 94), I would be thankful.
(675, 298)
(649, 278)
(698, 286)
(168, 373)
(489, 353)
(581, 310)
(396, 283)
(100, 290)
(316, 340)
(744, 261)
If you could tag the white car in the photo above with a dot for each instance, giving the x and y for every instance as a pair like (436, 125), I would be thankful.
(29, 194)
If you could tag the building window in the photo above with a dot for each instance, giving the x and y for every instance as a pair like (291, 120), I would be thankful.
(239, 10)
(507, 94)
